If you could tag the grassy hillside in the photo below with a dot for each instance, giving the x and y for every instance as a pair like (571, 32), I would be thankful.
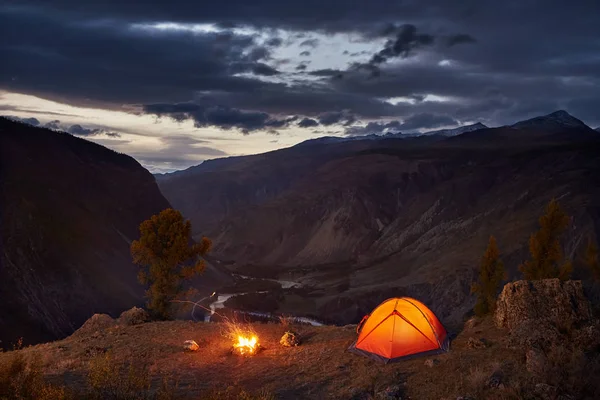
(320, 368)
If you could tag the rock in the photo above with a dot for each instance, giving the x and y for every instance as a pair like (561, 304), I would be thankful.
(472, 323)
(531, 333)
(432, 362)
(542, 300)
(290, 339)
(96, 323)
(190, 345)
(473, 343)
(535, 361)
(393, 392)
(587, 337)
(134, 316)
(495, 381)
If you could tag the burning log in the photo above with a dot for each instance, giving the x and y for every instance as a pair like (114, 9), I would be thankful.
(246, 345)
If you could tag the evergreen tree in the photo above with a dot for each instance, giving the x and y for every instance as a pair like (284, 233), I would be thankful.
(491, 274)
(167, 256)
(545, 248)
(591, 259)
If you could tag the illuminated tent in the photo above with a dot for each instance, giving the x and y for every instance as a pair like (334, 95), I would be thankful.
(400, 328)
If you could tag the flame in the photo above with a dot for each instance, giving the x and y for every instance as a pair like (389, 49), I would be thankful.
(246, 345)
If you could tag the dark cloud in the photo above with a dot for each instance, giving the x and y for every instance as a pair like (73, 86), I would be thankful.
(221, 116)
(407, 40)
(427, 121)
(81, 131)
(416, 122)
(95, 53)
(274, 42)
(459, 39)
(259, 53)
(328, 73)
(307, 123)
(374, 128)
(336, 117)
(264, 69)
(313, 43)
(111, 63)
(305, 54)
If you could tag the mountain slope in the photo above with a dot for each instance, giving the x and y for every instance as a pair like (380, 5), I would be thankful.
(457, 131)
(395, 217)
(69, 209)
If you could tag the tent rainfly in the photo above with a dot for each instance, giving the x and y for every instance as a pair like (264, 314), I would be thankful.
(400, 328)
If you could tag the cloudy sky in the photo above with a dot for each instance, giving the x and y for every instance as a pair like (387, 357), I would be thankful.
(176, 82)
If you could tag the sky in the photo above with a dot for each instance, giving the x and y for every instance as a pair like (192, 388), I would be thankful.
(173, 83)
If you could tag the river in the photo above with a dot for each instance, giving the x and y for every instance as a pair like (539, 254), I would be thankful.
(219, 303)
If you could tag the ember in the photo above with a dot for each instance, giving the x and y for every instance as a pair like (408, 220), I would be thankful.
(246, 346)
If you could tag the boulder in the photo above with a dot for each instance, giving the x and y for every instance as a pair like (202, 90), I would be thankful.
(190, 345)
(537, 334)
(432, 362)
(542, 300)
(290, 339)
(96, 322)
(134, 316)
(473, 343)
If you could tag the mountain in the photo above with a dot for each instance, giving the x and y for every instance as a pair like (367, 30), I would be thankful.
(552, 122)
(69, 209)
(360, 221)
(597, 129)
(457, 131)
(393, 135)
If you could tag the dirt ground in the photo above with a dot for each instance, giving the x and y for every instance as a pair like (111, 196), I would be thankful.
(320, 368)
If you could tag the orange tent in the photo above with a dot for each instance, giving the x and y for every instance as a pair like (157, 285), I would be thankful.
(400, 328)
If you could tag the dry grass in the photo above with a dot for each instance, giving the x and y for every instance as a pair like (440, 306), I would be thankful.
(24, 381)
(148, 362)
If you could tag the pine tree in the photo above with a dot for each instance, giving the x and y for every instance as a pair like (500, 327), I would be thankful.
(545, 248)
(591, 259)
(167, 256)
(491, 274)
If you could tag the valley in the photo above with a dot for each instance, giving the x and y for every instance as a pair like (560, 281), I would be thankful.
(357, 222)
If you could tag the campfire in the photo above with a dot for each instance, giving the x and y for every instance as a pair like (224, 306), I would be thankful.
(246, 345)
(245, 340)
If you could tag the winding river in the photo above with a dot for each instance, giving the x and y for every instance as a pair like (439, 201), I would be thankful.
(219, 303)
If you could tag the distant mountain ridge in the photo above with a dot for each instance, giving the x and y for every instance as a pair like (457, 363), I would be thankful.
(554, 120)
(360, 220)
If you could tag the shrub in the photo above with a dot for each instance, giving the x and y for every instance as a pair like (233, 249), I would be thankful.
(491, 274)
(22, 380)
(545, 247)
(108, 380)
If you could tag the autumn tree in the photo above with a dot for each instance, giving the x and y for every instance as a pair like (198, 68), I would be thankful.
(591, 259)
(491, 273)
(167, 257)
(547, 260)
